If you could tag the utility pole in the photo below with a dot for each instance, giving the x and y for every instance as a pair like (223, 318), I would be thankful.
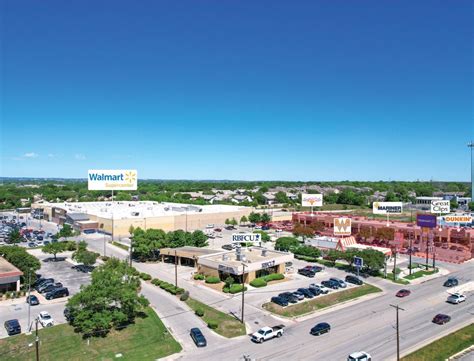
(410, 251)
(398, 331)
(243, 292)
(434, 257)
(37, 341)
(427, 250)
(395, 265)
(175, 270)
(29, 299)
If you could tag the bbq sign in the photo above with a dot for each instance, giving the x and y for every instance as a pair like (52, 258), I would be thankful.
(387, 207)
(440, 206)
(311, 200)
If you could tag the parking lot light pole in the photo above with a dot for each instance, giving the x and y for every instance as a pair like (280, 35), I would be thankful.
(409, 254)
(175, 270)
(29, 299)
(37, 341)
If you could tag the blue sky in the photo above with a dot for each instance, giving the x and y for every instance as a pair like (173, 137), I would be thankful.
(252, 90)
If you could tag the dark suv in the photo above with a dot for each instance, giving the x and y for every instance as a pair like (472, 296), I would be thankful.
(12, 327)
(289, 297)
(330, 284)
(280, 301)
(57, 293)
(353, 280)
(451, 282)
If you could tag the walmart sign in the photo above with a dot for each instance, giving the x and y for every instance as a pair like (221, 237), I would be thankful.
(120, 179)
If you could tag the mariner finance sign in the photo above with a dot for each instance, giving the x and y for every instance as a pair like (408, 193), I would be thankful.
(387, 207)
(109, 179)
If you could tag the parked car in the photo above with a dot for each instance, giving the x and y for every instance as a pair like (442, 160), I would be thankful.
(451, 282)
(322, 289)
(320, 328)
(227, 247)
(306, 272)
(306, 292)
(289, 297)
(403, 293)
(49, 287)
(330, 284)
(456, 298)
(83, 268)
(441, 319)
(359, 356)
(279, 301)
(32, 300)
(217, 229)
(198, 337)
(354, 280)
(267, 333)
(210, 226)
(265, 228)
(45, 319)
(314, 269)
(300, 296)
(340, 282)
(57, 293)
(67, 315)
(44, 282)
(13, 327)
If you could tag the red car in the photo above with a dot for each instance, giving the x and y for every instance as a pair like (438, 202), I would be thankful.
(217, 230)
(403, 293)
(441, 319)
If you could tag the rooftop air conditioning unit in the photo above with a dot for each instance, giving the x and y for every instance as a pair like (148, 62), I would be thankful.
(243, 258)
(225, 257)
(264, 252)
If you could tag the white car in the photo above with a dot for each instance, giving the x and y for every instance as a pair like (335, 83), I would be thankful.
(322, 289)
(456, 298)
(45, 319)
(210, 226)
(359, 356)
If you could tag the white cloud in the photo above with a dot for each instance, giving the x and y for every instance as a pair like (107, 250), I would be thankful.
(30, 155)
(80, 156)
(50, 155)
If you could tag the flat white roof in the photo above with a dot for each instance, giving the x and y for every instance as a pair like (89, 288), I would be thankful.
(140, 209)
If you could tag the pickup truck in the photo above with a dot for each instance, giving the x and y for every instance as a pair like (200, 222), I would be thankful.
(267, 333)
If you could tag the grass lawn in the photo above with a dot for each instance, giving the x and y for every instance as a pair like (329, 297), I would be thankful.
(445, 347)
(319, 302)
(419, 274)
(147, 339)
(229, 326)
(399, 280)
(120, 245)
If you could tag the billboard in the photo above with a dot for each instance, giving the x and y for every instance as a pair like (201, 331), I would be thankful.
(458, 219)
(342, 226)
(111, 179)
(387, 207)
(440, 206)
(246, 237)
(311, 200)
(426, 220)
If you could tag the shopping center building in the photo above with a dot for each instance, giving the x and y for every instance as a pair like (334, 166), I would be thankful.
(117, 217)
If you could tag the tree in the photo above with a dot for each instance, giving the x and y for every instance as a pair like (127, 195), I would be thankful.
(286, 243)
(471, 206)
(131, 229)
(264, 235)
(254, 217)
(15, 236)
(233, 222)
(110, 301)
(66, 231)
(87, 258)
(54, 248)
(385, 233)
(302, 231)
(265, 218)
(199, 239)
(280, 197)
(318, 226)
(454, 204)
(243, 219)
(227, 221)
(21, 259)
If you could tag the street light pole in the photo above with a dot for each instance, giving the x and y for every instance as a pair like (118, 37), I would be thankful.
(471, 145)
(29, 299)
(398, 331)
(175, 270)
(243, 292)
(37, 341)
(410, 251)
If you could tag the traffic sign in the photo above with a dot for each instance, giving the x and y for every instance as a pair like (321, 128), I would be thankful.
(358, 262)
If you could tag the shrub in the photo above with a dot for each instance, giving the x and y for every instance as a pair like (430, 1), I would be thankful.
(199, 276)
(212, 279)
(179, 291)
(156, 281)
(225, 289)
(184, 296)
(145, 276)
(236, 288)
(105, 258)
(274, 277)
(7, 295)
(199, 312)
(212, 325)
(258, 282)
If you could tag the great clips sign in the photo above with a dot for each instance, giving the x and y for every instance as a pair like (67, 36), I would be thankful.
(108, 179)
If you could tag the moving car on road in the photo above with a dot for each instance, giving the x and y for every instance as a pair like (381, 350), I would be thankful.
(403, 293)
(267, 333)
(198, 337)
(359, 356)
(451, 282)
(45, 319)
(12, 327)
(441, 319)
(456, 298)
(320, 328)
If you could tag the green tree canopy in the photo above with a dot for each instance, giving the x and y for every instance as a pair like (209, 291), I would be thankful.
(286, 243)
(21, 259)
(54, 248)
